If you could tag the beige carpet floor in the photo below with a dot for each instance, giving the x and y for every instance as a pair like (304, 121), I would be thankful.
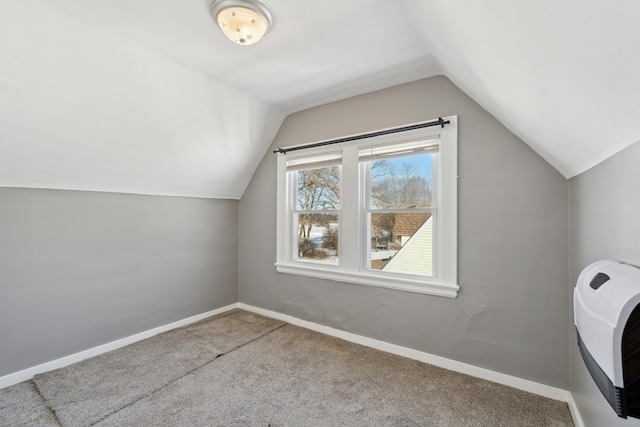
(239, 369)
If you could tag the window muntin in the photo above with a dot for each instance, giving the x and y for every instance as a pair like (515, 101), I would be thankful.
(353, 228)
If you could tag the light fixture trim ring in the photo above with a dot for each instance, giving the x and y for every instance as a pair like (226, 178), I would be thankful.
(219, 5)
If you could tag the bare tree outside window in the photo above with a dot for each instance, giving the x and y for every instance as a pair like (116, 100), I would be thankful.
(398, 183)
(318, 202)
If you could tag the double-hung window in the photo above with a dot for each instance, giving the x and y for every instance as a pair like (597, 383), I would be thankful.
(314, 186)
(377, 211)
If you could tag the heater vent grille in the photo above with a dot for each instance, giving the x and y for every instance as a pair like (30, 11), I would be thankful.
(631, 362)
(614, 395)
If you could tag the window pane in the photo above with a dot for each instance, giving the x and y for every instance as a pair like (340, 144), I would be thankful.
(402, 182)
(402, 242)
(318, 237)
(319, 188)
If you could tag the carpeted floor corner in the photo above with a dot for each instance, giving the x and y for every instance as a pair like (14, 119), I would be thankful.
(239, 368)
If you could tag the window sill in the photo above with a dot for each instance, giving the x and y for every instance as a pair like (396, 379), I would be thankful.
(407, 285)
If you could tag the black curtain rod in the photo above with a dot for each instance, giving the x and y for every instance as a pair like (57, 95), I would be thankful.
(439, 122)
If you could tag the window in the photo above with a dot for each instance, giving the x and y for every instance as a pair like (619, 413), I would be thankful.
(315, 188)
(377, 211)
(398, 207)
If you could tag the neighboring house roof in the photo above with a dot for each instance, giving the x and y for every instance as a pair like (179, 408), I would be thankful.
(416, 256)
(408, 223)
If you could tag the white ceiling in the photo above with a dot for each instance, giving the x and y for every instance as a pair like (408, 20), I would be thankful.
(147, 96)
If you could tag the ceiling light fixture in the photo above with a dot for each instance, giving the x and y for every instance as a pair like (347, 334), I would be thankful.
(242, 21)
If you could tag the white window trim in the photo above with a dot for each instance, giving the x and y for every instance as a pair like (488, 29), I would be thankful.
(349, 269)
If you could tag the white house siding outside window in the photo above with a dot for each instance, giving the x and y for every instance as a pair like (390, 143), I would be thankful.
(378, 211)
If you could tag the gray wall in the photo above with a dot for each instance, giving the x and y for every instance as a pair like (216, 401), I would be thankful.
(511, 313)
(605, 224)
(79, 269)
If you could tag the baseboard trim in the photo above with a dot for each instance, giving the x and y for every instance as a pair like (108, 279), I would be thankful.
(27, 374)
(497, 377)
(575, 412)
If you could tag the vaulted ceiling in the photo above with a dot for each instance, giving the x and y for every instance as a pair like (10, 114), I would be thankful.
(147, 96)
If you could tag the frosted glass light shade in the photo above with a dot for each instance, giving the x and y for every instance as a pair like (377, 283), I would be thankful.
(242, 21)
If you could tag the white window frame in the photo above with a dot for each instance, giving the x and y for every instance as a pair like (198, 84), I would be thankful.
(293, 211)
(350, 268)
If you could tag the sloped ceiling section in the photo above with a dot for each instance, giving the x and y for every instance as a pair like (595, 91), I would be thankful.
(563, 76)
(83, 109)
(147, 96)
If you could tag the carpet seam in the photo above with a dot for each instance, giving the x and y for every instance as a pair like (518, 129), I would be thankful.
(249, 342)
(45, 402)
(182, 376)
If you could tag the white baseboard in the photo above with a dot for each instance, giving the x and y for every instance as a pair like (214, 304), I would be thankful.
(508, 380)
(575, 413)
(27, 374)
(497, 377)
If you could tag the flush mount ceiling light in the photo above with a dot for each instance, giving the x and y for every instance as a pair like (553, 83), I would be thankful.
(242, 21)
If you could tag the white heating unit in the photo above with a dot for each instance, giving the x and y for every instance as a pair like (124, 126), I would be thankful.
(607, 317)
